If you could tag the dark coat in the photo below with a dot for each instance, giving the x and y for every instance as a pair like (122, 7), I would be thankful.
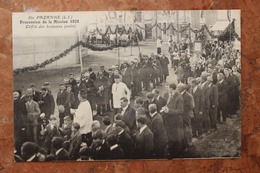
(73, 83)
(144, 144)
(19, 114)
(47, 105)
(63, 99)
(206, 92)
(127, 77)
(159, 132)
(116, 153)
(198, 97)
(91, 88)
(164, 63)
(66, 131)
(161, 102)
(173, 120)
(49, 134)
(129, 117)
(213, 98)
(100, 152)
(125, 142)
(158, 104)
(103, 95)
(62, 155)
(222, 94)
(75, 143)
(188, 106)
(93, 76)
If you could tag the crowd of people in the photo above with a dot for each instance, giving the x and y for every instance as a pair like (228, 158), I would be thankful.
(161, 125)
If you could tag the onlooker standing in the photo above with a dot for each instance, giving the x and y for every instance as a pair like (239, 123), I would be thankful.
(159, 132)
(75, 142)
(19, 122)
(119, 90)
(33, 112)
(173, 120)
(222, 98)
(213, 98)
(144, 140)
(159, 45)
(63, 103)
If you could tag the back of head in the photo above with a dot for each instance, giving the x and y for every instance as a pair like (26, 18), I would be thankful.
(57, 142)
(29, 149)
(112, 139)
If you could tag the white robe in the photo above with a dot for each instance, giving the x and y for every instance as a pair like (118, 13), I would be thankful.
(119, 90)
(83, 116)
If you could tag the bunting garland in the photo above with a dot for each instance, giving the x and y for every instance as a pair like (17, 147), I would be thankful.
(66, 52)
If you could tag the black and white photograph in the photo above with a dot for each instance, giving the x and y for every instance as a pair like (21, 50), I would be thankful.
(126, 85)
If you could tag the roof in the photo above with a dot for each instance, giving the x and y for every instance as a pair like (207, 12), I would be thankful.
(219, 26)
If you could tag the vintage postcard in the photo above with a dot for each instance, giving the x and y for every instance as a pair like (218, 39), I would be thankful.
(109, 85)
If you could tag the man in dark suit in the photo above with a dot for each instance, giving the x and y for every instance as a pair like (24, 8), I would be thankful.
(36, 94)
(73, 83)
(116, 151)
(105, 73)
(19, 122)
(222, 98)
(212, 73)
(161, 101)
(91, 90)
(92, 74)
(198, 97)
(100, 149)
(60, 153)
(46, 103)
(173, 120)
(127, 76)
(213, 98)
(63, 100)
(144, 140)
(206, 92)
(151, 100)
(231, 91)
(128, 113)
(159, 132)
(75, 142)
(124, 140)
(187, 115)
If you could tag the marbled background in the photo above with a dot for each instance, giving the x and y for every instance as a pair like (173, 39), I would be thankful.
(250, 160)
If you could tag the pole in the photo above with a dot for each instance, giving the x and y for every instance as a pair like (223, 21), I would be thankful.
(156, 34)
(118, 57)
(80, 54)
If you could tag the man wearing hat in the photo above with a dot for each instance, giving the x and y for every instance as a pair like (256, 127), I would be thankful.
(231, 91)
(187, 114)
(92, 74)
(206, 92)
(213, 98)
(36, 94)
(73, 84)
(63, 102)
(46, 103)
(33, 112)
(212, 73)
(19, 122)
(105, 73)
